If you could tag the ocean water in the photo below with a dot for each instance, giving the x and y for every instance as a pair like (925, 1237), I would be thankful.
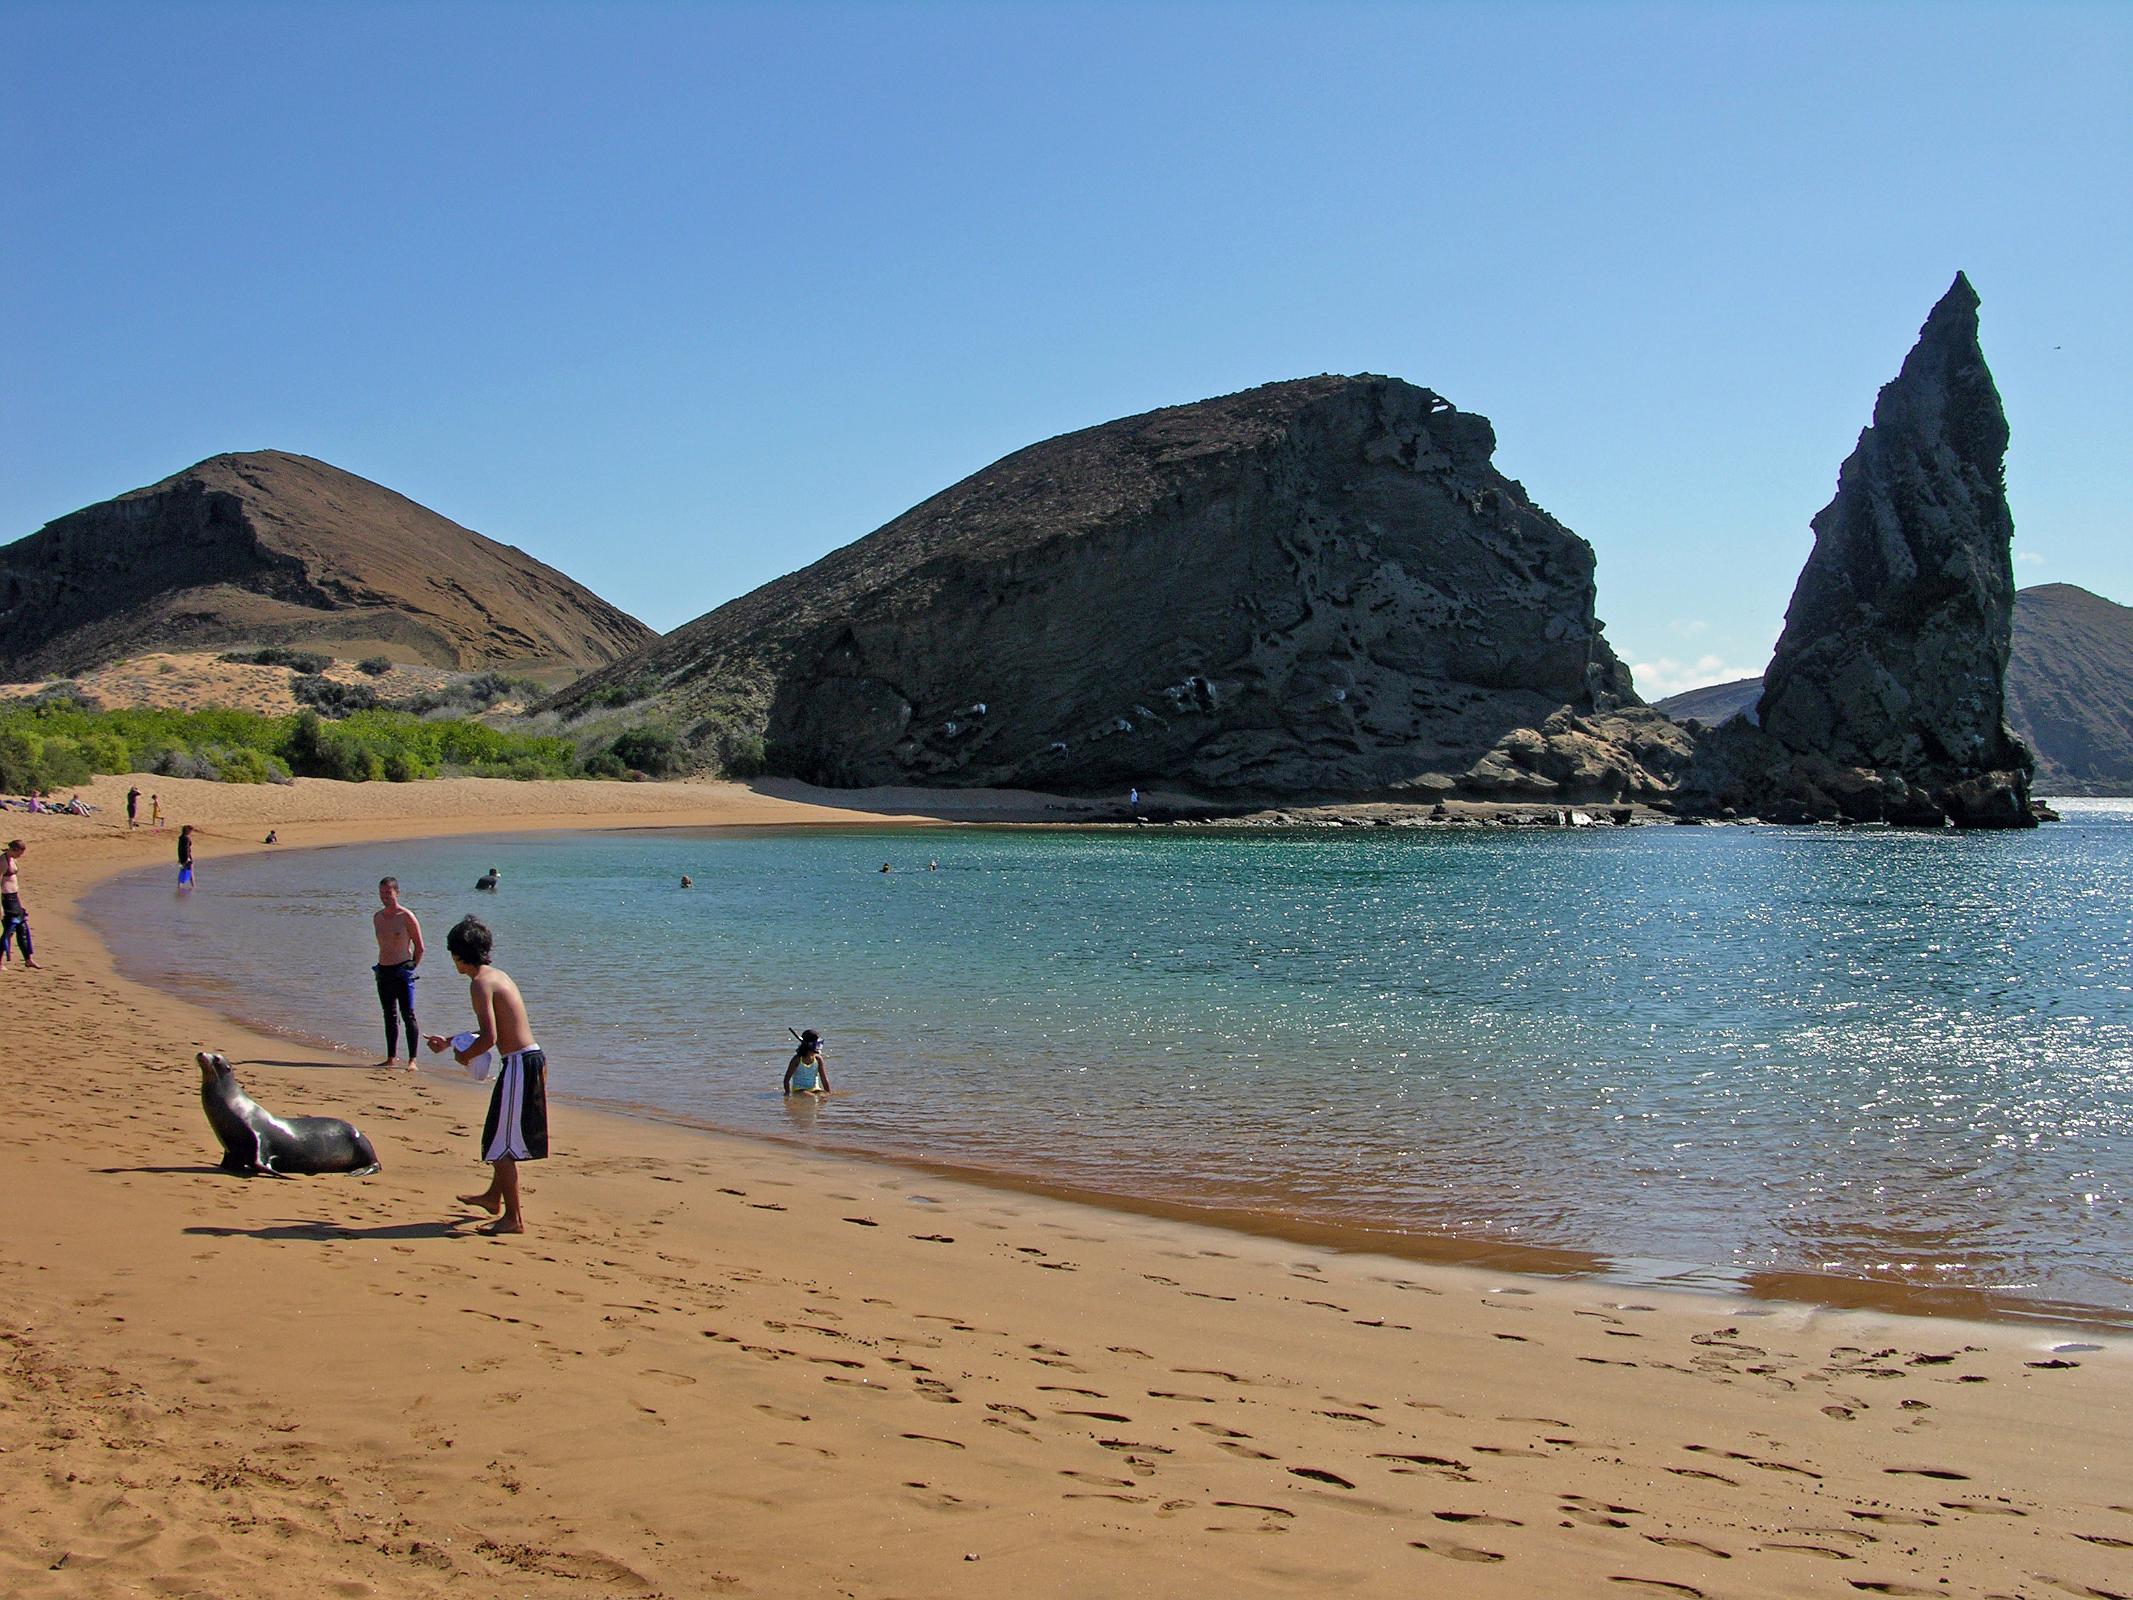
(1726, 1056)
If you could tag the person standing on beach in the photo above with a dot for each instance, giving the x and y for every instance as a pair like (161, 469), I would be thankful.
(185, 856)
(133, 807)
(155, 811)
(14, 921)
(517, 1126)
(399, 954)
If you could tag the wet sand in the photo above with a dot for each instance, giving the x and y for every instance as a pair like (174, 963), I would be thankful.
(717, 1366)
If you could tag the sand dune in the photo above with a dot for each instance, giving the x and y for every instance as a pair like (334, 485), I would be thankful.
(718, 1366)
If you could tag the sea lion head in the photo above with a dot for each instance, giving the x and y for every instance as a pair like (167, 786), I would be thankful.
(214, 1067)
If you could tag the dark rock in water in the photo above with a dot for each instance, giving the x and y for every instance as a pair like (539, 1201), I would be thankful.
(1315, 588)
(272, 548)
(1886, 698)
(2069, 690)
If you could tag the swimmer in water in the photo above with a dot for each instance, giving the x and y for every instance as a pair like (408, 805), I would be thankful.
(807, 1072)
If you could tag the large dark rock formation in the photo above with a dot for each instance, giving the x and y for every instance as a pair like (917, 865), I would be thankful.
(273, 548)
(1315, 588)
(2069, 690)
(1885, 700)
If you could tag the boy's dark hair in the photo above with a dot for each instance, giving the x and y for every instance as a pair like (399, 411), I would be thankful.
(469, 941)
(389, 882)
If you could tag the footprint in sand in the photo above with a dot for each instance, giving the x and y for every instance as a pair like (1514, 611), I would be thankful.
(1676, 1542)
(1477, 1519)
(1928, 1472)
(1808, 1550)
(1320, 1475)
(1658, 1586)
(1456, 1552)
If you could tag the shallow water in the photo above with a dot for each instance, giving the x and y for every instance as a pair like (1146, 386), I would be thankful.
(1903, 1057)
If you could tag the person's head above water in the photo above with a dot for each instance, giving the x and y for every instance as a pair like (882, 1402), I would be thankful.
(809, 1039)
(389, 891)
(469, 942)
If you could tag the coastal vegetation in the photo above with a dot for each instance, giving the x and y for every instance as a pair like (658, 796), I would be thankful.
(58, 741)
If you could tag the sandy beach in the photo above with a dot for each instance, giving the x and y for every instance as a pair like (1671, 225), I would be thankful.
(717, 1366)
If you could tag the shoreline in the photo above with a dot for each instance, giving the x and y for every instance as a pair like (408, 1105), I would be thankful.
(723, 1365)
(1558, 1261)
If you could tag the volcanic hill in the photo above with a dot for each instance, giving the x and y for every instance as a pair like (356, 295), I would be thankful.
(2069, 690)
(271, 548)
(1314, 588)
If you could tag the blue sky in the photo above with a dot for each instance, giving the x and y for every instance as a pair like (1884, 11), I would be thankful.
(679, 297)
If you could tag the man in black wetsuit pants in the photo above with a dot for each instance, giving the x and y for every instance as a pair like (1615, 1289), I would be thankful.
(399, 954)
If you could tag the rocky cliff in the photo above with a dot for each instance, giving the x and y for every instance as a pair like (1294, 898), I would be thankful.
(267, 547)
(1885, 699)
(2069, 690)
(1314, 588)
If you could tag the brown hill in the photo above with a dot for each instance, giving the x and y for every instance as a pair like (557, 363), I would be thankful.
(1313, 588)
(2069, 690)
(271, 548)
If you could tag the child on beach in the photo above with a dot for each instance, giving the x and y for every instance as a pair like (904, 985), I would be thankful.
(517, 1125)
(185, 856)
(807, 1072)
(155, 811)
(14, 921)
(399, 954)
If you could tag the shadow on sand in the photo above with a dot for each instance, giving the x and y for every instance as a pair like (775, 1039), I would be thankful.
(325, 1232)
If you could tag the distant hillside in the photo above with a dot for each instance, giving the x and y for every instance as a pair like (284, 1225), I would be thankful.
(1714, 702)
(272, 548)
(2069, 690)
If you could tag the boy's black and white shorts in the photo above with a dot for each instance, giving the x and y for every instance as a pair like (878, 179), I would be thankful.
(517, 1125)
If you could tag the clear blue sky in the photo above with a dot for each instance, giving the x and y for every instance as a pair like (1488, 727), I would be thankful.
(678, 297)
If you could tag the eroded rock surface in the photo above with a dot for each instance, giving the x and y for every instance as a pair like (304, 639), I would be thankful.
(1885, 700)
(1314, 588)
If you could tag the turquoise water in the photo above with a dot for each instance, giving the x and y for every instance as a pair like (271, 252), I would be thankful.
(1879, 1055)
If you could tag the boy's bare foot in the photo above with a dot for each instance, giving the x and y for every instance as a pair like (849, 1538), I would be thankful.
(487, 1202)
(410, 1064)
(503, 1225)
(389, 1061)
(26, 961)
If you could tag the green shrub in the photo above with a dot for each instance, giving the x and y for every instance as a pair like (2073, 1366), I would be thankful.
(275, 655)
(375, 666)
(651, 749)
(21, 761)
(334, 698)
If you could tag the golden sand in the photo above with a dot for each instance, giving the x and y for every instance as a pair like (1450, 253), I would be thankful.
(724, 1367)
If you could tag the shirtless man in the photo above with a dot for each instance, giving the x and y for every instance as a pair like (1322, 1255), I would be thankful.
(399, 954)
(517, 1125)
(14, 921)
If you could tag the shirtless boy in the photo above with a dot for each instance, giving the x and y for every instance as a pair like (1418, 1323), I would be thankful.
(517, 1125)
(14, 921)
(399, 954)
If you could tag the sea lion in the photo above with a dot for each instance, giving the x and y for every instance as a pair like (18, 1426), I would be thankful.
(255, 1140)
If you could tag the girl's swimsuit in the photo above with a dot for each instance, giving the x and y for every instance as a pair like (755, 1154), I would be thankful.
(807, 1076)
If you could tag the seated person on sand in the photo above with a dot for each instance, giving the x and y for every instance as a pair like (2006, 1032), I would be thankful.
(807, 1072)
